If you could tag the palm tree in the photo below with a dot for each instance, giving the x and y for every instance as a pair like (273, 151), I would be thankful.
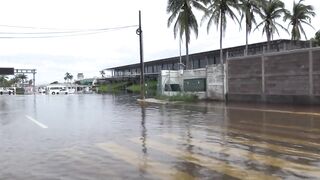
(66, 77)
(271, 10)
(217, 12)
(248, 9)
(181, 11)
(102, 73)
(301, 14)
(70, 77)
(23, 77)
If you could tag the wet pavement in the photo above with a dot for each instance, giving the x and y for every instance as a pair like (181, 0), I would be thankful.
(77, 137)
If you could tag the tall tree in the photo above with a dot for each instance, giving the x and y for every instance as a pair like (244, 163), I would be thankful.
(248, 10)
(271, 10)
(70, 77)
(23, 77)
(301, 14)
(102, 73)
(67, 76)
(217, 12)
(185, 20)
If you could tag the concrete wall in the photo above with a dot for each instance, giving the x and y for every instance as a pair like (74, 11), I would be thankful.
(287, 77)
(215, 82)
(212, 74)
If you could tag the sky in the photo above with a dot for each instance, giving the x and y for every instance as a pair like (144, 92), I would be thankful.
(88, 54)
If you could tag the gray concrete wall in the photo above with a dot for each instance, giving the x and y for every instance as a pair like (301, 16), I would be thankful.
(288, 77)
(214, 76)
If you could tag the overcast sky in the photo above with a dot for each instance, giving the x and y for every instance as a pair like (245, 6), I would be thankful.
(53, 57)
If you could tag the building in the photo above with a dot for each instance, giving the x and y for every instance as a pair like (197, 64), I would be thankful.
(202, 59)
(80, 76)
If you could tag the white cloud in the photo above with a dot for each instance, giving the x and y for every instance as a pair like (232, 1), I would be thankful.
(53, 57)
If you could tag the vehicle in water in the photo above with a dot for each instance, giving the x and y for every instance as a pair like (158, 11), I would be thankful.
(7, 90)
(56, 89)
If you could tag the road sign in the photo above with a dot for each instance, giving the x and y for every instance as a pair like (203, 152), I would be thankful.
(6, 71)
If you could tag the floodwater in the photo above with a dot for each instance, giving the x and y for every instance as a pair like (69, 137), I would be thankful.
(84, 137)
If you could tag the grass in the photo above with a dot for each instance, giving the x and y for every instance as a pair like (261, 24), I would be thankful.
(151, 86)
(114, 87)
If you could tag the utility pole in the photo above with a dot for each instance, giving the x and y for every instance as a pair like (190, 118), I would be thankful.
(139, 32)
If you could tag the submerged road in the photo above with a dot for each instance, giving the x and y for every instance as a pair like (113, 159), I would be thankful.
(76, 137)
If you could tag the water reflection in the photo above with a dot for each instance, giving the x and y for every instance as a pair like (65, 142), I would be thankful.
(143, 130)
(93, 136)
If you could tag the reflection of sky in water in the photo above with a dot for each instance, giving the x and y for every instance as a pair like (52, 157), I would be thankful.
(205, 140)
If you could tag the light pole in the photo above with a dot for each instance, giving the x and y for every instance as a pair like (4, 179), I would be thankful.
(139, 32)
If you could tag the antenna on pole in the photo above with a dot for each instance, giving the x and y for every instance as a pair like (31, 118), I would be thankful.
(139, 32)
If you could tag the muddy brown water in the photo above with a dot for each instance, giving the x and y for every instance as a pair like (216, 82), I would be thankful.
(113, 137)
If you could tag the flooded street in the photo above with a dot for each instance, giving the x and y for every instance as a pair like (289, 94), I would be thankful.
(78, 137)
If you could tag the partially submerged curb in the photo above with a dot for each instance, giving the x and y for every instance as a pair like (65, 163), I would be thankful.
(157, 101)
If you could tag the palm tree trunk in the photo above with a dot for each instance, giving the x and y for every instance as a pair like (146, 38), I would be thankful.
(221, 31)
(187, 52)
(268, 38)
(247, 34)
(268, 42)
(221, 57)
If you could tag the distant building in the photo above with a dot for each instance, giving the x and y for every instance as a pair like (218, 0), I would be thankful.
(80, 76)
(202, 59)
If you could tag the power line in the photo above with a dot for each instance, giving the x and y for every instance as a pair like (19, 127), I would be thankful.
(57, 34)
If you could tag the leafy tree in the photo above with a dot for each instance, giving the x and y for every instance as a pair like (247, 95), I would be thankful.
(317, 38)
(21, 77)
(271, 10)
(3, 81)
(248, 10)
(185, 20)
(217, 12)
(68, 77)
(301, 14)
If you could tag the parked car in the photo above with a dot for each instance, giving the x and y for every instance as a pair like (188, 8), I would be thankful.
(7, 90)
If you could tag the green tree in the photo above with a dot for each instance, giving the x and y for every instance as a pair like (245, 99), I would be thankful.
(317, 38)
(3, 81)
(248, 10)
(185, 20)
(22, 77)
(14, 80)
(271, 10)
(217, 12)
(68, 77)
(301, 14)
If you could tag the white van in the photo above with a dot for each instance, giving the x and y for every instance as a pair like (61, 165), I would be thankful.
(56, 89)
(7, 90)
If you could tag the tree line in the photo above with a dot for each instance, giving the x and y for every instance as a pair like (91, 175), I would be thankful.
(216, 12)
(5, 81)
